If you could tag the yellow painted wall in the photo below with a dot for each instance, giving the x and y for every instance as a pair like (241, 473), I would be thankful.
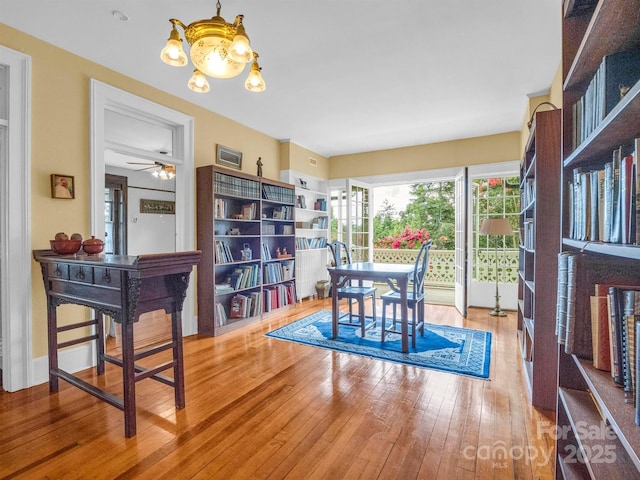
(295, 157)
(554, 96)
(471, 151)
(60, 144)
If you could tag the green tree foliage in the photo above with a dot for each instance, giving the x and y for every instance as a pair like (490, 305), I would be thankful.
(431, 209)
(384, 222)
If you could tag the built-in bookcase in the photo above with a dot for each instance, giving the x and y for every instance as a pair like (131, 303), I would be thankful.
(312, 231)
(598, 436)
(246, 232)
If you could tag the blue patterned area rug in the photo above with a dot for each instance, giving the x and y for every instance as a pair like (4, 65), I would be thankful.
(449, 349)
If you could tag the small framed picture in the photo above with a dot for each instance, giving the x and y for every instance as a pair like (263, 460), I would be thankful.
(303, 183)
(62, 186)
(228, 157)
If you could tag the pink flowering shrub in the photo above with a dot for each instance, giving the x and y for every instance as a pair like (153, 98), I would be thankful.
(409, 239)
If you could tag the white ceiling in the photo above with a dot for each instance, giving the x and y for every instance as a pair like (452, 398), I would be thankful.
(343, 76)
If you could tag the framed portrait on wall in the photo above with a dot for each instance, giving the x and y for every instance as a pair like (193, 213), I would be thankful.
(62, 186)
(229, 158)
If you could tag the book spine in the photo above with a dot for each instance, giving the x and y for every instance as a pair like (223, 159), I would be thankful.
(561, 305)
(571, 304)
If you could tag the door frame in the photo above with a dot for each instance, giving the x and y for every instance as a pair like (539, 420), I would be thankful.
(482, 294)
(106, 97)
(15, 248)
(461, 240)
(119, 182)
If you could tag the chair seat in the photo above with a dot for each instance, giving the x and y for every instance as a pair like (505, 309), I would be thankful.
(394, 297)
(349, 291)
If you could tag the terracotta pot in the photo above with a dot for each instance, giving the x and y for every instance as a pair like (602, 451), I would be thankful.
(93, 246)
(65, 247)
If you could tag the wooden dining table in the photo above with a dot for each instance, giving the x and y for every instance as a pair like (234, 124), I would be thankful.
(395, 275)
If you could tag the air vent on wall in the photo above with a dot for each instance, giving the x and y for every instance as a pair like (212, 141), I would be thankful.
(313, 162)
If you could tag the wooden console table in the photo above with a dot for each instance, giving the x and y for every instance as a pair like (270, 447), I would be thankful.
(122, 287)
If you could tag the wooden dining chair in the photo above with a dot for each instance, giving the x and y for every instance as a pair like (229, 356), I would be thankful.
(415, 299)
(352, 292)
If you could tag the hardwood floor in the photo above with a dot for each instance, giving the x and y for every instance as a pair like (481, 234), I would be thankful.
(258, 407)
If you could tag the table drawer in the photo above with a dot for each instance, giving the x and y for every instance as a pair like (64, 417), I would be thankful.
(80, 273)
(106, 277)
(59, 270)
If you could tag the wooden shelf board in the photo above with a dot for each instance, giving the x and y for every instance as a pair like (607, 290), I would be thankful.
(610, 398)
(618, 128)
(614, 27)
(572, 470)
(529, 325)
(596, 444)
(611, 249)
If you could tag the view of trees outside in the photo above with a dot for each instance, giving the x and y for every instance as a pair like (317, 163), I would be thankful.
(429, 215)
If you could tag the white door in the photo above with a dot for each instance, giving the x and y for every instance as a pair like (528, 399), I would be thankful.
(360, 220)
(461, 199)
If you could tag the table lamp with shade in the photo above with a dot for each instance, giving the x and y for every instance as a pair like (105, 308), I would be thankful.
(496, 227)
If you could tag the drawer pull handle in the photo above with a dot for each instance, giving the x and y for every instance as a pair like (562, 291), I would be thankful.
(80, 274)
(106, 277)
(57, 272)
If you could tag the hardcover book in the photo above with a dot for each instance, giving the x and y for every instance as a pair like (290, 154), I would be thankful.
(600, 333)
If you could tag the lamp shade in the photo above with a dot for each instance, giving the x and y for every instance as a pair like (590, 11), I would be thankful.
(496, 226)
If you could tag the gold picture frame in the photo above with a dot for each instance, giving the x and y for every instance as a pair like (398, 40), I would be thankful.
(158, 207)
(63, 186)
(228, 157)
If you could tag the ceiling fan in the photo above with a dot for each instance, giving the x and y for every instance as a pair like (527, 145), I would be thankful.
(163, 171)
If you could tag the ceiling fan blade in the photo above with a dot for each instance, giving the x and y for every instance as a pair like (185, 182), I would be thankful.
(146, 168)
(142, 163)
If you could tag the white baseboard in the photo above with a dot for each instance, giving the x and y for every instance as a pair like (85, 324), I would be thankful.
(71, 360)
(75, 359)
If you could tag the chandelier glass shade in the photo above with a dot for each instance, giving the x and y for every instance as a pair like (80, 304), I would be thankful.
(217, 48)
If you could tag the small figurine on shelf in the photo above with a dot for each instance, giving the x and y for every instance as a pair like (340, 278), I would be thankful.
(278, 252)
(259, 164)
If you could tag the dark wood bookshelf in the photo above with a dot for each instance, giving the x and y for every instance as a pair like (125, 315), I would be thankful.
(239, 189)
(540, 187)
(589, 397)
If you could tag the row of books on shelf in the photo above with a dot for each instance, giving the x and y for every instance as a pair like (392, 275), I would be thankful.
(245, 276)
(284, 212)
(527, 235)
(602, 203)
(318, 223)
(303, 243)
(528, 192)
(254, 303)
(240, 306)
(272, 229)
(241, 187)
(224, 255)
(278, 271)
(223, 252)
(616, 75)
(319, 204)
(610, 335)
(226, 209)
(278, 194)
(276, 296)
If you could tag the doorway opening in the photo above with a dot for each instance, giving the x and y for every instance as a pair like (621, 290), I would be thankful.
(106, 100)
(115, 214)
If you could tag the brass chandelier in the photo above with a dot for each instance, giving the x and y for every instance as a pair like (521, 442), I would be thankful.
(217, 48)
